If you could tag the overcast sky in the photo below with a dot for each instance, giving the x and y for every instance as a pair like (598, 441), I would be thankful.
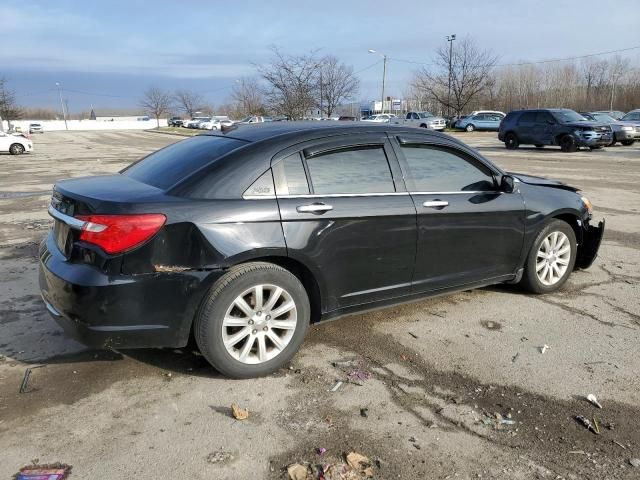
(118, 48)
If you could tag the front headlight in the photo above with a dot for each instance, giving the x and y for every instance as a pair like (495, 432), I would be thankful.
(587, 205)
(627, 129)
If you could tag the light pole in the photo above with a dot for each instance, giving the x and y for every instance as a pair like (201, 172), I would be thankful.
(384, 75)
(64, 115)
(450, 39)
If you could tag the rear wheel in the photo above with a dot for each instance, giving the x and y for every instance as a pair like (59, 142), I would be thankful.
(627, 143)
(253, 320)
(568, 144)
(551, 259)
(470, 128)
(511, 141)
(16, 149)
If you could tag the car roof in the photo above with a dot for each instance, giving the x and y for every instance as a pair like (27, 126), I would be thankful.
(283, 130)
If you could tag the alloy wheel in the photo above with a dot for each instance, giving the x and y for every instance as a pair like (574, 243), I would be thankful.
(259, 324)
(553, 258)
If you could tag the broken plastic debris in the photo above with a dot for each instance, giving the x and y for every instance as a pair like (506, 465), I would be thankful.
(336, 386)
(358, 376)
(57, 471)
(321, 451)
(544, 348)
(587, 423)
(297, 472)
(360, 463)
(635, 462)
(592, 399)
(364, 412)
(239, 413)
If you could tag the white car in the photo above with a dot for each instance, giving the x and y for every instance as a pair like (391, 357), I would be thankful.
(380, 118)
(215, 124)
(15, 144)
(250, 119)
(36, 128)
(195, 121)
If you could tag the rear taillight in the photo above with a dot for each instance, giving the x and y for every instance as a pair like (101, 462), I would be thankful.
(119, 233)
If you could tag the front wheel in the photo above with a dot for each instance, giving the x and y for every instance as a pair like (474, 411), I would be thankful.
(16, 149)
(551, 259)
(470, 128)
(627, 143)
(253, 320)
(568, 144)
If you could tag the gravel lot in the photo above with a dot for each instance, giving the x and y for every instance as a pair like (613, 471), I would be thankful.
(441, 368)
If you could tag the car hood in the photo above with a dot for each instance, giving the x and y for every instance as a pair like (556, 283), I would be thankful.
(541, 181)
(627, 123)
(585, 124)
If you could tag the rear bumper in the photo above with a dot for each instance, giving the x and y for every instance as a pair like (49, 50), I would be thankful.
(125, 311)
(591, 239)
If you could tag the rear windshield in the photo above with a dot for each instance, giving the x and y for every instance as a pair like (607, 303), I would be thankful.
(166, 167)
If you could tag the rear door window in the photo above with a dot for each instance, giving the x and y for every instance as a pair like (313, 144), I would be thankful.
(355, 170)
(172, 164)
(291, 178)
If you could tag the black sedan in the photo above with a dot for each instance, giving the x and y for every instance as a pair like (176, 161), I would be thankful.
(245, 238)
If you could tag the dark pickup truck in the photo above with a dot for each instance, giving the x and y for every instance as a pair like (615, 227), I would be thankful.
(562, 127)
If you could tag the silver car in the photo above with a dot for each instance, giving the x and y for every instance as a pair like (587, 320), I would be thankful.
(624, 131)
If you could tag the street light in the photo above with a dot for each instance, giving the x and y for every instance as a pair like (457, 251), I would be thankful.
(64, 115)
(450, 39)
(384, 75)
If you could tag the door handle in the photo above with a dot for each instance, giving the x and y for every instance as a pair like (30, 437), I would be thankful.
(435, 204)
(317, 208)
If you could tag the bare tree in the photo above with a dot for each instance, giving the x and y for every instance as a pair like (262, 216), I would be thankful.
(9, 109)
(619, 68)
(248, 97)
(189, 102)
(336, 84)
(470, 73)
(291, 82)
(156, 102)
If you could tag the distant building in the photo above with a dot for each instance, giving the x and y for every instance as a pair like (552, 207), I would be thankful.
(117, 115)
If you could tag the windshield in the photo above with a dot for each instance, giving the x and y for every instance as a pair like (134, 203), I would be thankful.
(567, 116)
(425, 114)
(166, 167)
(601, 117)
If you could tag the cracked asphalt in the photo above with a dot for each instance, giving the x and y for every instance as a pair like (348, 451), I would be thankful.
(458, 385)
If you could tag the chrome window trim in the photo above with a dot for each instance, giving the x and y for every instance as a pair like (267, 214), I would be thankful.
(339, 195)
(72, 222)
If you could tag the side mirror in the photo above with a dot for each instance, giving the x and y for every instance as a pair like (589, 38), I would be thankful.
(507, 184)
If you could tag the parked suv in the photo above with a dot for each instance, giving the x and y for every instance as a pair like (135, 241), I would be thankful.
(561, 126)
(175, 122)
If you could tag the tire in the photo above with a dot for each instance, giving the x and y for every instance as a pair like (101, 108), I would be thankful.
(16, 149)
(470, 128)
(539, 145)
(534, 271)
(424, 125)
(511, 141)
(211, 329)
(568, 144)
(627, 143)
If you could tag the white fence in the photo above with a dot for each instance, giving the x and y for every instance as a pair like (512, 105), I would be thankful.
(53, 125)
